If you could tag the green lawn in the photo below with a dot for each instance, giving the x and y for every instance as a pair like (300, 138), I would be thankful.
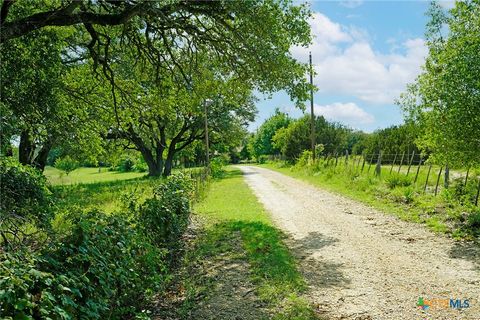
(87, 175)
(232, 214)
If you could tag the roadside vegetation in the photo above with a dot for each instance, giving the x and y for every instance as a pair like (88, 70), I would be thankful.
(452, 211)
(64, 259)
(235, 227)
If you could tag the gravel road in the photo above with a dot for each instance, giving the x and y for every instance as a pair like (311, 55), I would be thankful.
(360, 263)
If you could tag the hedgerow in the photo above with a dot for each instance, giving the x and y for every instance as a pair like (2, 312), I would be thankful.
(106, 266)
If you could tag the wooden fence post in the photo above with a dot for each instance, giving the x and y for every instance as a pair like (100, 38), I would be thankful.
(358, 162)
(378, 167)
(478, 193)
(418, 170)
(346, 157)
(336, 158)
(364, 159)
(410, 164)
(446, 181)
(393, 163)
(466, 177)
(426, 180)
(370, 164)
(438, 180)
(401, 162)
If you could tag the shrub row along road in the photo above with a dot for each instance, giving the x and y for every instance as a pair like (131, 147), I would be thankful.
(362, 264)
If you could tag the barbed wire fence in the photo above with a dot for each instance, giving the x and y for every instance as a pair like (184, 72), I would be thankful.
(430, 177)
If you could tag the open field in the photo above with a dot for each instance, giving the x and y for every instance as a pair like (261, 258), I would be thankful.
(88, 175)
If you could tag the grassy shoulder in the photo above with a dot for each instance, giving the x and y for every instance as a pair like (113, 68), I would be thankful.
(232, 214)
(397, 194)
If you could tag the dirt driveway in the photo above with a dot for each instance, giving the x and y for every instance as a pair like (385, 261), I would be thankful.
(363, 264)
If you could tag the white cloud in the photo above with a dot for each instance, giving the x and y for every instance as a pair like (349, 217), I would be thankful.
(346, 63)
(351, 3)
(348, 113)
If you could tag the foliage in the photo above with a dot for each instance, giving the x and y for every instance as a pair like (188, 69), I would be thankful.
(217, 166)
(393, 140)
(398, 180)
(445, 98)
(92, 272)
(295, 138)
(67, 164)
(25, 204)
(261, 143)
(165, 217)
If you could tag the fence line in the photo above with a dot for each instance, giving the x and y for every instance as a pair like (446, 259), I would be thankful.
(357, 164)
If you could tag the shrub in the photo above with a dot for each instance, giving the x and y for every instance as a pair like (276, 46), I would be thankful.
(126, 164)
(67, 164)
(104, 268)
(26, 292)
(164, 217)
(304, 159)
(464, 193)
(140, 165)
(262, 159)
(26, 202)
(398, 180)
(217, 169)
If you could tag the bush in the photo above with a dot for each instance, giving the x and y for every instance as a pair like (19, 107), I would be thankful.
(464, 193)
(262, 159)
(126, 164)
(67, 164)
(140, 165)
(217, 167)
(104, 268)
(26, 202)
(398, 180)
(164, 217)
(305, 159)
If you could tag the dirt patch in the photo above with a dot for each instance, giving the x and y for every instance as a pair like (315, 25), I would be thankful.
(363, 264)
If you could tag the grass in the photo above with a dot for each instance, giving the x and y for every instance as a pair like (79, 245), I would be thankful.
(233, 213)
(107, 196)
(87, 175)
(450, 212)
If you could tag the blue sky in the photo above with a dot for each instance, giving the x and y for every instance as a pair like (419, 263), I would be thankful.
(364, 53)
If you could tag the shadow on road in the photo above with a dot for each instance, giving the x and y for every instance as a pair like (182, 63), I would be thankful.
(468, 251)
(318, 272)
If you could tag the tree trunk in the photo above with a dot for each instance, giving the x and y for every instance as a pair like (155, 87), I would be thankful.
(25, 148)
(40, 160)
(168, 164)
(155, 165)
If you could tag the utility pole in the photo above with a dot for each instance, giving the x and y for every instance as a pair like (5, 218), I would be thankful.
(207, 149)
(312, 116)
